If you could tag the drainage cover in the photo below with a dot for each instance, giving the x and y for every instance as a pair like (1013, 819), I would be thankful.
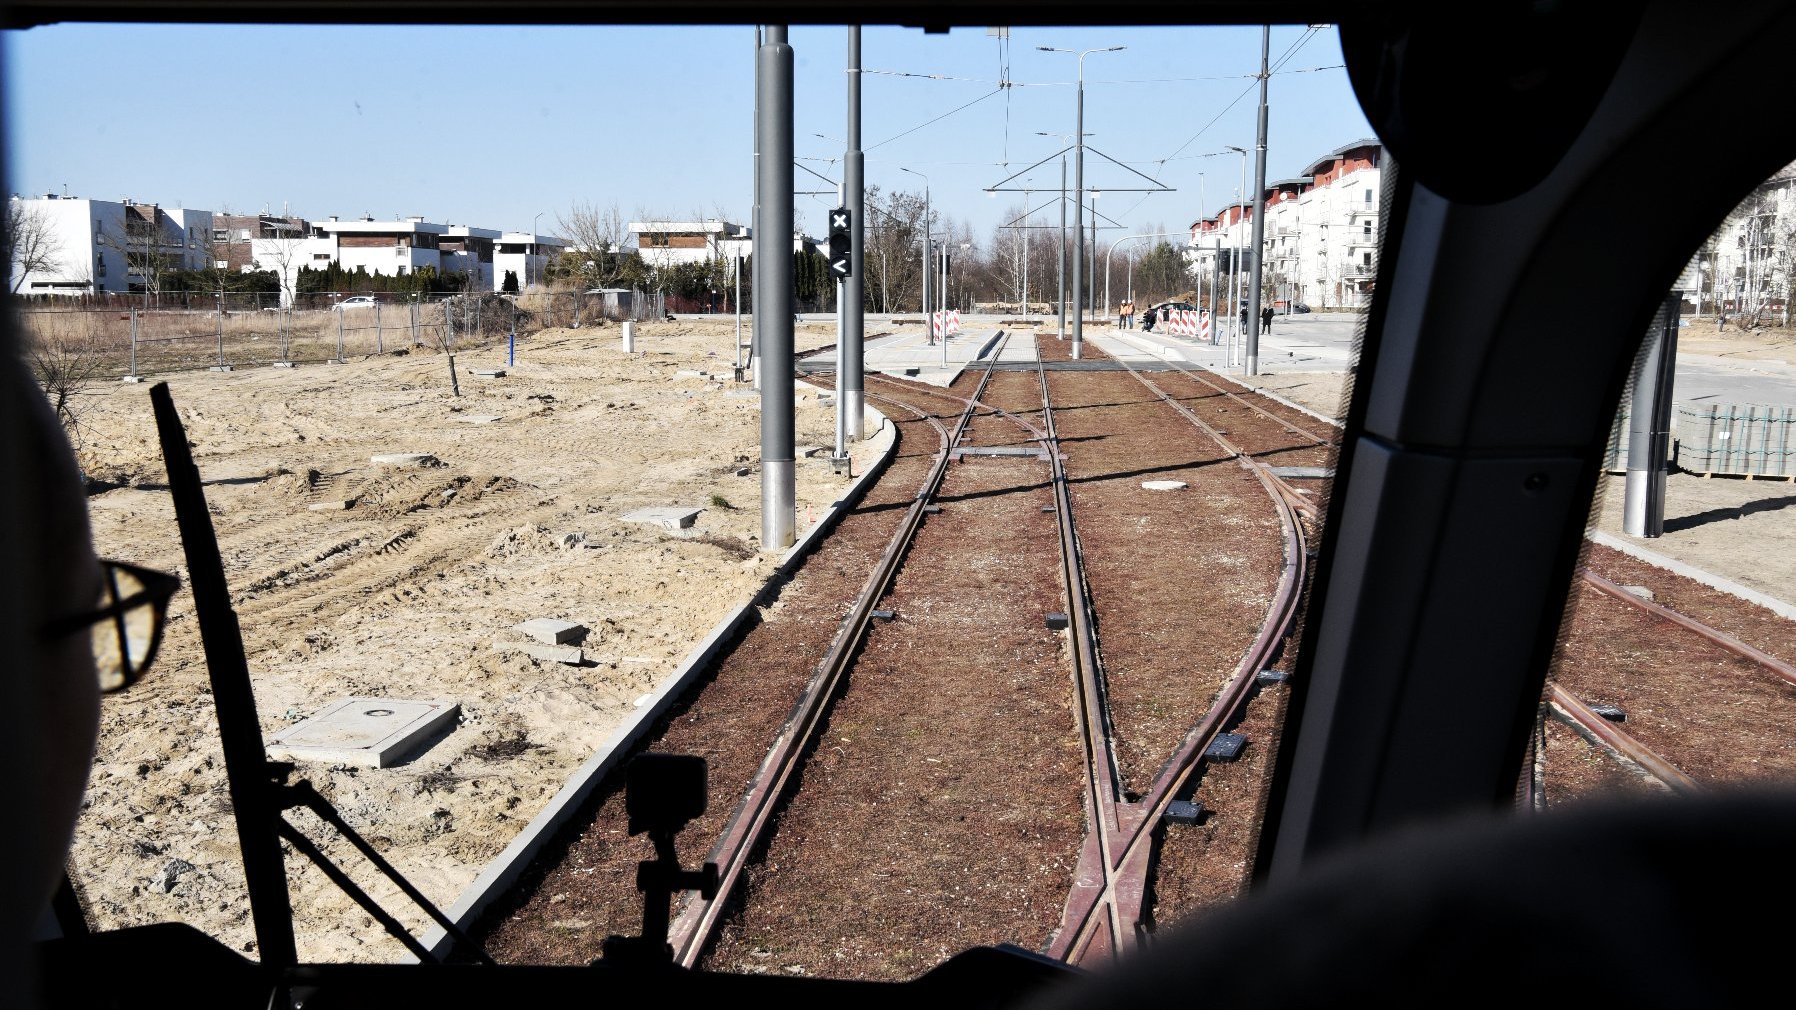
(1226, 747)
(1057, 622)
(371, 732)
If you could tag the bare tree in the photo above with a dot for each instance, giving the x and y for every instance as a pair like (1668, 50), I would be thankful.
(31, 245)
(285, 253)
(64, 362)
(598, 235)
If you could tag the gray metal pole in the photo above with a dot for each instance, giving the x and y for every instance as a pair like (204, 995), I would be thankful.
(851, 356)
(1216, 292)
(757, 234)
(1062, 274)
(1079, 213)
(1259, 216)
(773, 99)
(928, 323)
(1649, 425)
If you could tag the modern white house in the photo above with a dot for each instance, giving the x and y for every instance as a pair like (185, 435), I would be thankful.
(1321, 230)
(667, 243)
(463, 249)
(527, 254)
(92, 246)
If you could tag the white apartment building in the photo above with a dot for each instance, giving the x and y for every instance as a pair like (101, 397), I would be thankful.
(1321, 234)
(399, 248)
(93, 246)
(1747, 266)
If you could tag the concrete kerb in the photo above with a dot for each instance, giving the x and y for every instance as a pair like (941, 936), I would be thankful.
(1713, 581)
(504, 870)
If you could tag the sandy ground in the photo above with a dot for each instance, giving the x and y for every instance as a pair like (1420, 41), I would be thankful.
(404, 594)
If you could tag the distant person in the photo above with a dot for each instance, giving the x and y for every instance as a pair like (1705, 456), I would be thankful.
(1127, 316)
(1266, 319)
(1244, 318)
(1147, 321)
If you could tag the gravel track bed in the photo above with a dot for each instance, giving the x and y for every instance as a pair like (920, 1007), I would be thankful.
(1720, 718)
(584, 888)
(941, 809)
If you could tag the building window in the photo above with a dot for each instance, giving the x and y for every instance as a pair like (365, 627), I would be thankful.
(1368, 197)
(1365, 259)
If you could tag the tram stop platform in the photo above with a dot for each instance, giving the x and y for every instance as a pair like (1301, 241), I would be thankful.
(908, 353)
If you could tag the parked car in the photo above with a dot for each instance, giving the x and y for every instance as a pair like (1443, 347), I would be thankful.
(357, 302)
(1158, 312)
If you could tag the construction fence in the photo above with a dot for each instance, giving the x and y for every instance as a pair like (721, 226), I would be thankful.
(240, 331)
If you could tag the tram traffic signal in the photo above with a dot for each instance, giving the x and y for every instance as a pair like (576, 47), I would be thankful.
(841, 243)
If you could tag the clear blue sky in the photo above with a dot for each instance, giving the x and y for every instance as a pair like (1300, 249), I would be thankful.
(489, 126)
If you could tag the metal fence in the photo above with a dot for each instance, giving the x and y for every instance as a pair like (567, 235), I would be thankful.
(1731, 439)
(246, 330)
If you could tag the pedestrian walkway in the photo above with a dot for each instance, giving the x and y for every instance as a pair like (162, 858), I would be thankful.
(909, 354)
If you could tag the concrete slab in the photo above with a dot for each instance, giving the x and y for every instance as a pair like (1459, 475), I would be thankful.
(1163, 485)
(567, 654)
(550, 631)
(403, 459)
(672, 518)
(1303, 472)
(286, 364)
(370, 732)
(131, 378)
(488, 373)
(331, 506)
(221, 368)
(806, 451)
(475, 418)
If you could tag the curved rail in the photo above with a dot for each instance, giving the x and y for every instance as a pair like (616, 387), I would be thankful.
(1118, 899)
(697, 923)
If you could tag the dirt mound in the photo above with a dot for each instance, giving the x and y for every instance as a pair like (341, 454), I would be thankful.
(526, 539)
(280, 482)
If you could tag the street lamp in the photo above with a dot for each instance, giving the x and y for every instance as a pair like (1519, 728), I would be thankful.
(1107, 252)
(926, 237)
(1079, 187)
(533, 247)
(1060, 276)
(1240, 226)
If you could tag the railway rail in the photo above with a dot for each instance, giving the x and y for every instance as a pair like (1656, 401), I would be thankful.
(696, 925)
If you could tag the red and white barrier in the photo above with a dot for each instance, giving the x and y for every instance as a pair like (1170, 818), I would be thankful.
(1203, 327)
(945, 322)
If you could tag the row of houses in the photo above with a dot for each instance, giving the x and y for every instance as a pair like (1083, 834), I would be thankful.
(85, 246)
(1321, 230)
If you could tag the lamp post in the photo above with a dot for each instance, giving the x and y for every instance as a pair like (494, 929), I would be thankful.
(1107, 252)
(1236, 281)
(926, 323)
(533, 251)
(1060, 276)
(1079, 188)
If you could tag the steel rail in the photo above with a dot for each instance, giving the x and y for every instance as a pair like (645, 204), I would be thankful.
(1090, 926)
(697, 923)
(1714, 635)
(1580, 715)
(1126, 878)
